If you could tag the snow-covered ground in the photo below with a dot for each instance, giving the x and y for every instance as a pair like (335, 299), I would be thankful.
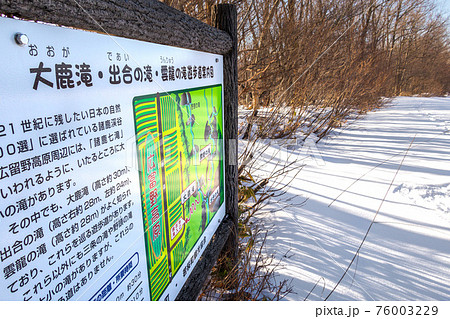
(406, 255)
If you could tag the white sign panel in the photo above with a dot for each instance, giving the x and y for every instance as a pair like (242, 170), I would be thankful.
(102, 194)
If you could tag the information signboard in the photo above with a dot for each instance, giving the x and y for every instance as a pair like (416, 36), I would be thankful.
(111, 164)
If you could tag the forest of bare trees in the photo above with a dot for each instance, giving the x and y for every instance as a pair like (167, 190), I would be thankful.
(334, 55)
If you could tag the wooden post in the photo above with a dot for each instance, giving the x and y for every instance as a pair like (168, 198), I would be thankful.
(225, 19)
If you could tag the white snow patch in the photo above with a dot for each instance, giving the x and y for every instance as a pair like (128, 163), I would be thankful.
(434, 197)
(406, 255)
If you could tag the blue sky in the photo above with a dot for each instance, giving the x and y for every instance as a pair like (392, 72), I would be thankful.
(445, 6)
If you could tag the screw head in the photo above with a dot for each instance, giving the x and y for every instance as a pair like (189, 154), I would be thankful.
(21, 39)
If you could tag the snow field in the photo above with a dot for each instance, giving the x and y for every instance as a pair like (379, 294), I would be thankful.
(406, 255)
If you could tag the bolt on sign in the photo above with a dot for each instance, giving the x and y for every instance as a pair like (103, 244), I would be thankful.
(111, 164)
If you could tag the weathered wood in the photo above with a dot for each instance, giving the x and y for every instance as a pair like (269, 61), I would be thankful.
(148, 20)
(202, 269)
(225, 18)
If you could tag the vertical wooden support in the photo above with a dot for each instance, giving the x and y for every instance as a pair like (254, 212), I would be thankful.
(225, 19)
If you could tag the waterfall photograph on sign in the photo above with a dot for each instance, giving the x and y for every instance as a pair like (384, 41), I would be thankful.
(181, 185)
